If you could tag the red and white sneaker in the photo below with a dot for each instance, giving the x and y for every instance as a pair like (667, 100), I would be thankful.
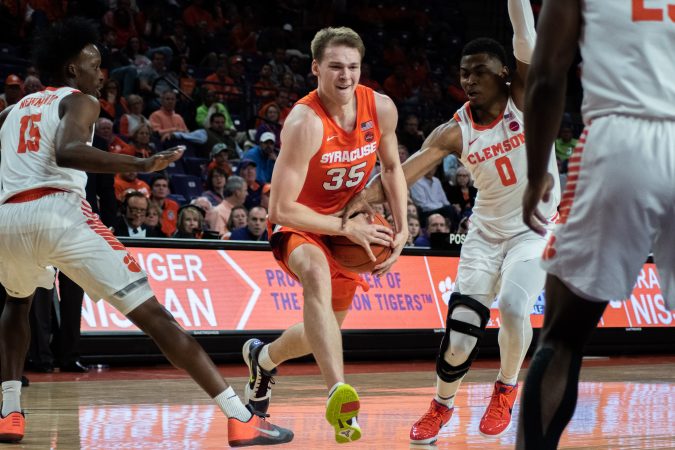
(425, 430)
(497, 418)
(12, 427)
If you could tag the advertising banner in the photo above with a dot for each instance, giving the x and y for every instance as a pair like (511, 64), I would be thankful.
(211, 291)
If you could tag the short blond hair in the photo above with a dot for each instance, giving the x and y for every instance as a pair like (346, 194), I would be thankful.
(326, 37)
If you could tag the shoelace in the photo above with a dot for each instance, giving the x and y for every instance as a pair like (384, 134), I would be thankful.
(498, 404)
(434, 416)
(263, 378)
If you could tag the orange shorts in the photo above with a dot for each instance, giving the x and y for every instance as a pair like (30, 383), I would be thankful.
(343, 282)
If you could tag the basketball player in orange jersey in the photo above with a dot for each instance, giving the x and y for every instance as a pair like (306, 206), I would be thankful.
(620, 193)
(500, 254)
(330, 142)
(45, 222)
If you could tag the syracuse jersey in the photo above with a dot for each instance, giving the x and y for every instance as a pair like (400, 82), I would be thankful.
(342, 166)
(637, 33)
(28, 147)
(495, 155)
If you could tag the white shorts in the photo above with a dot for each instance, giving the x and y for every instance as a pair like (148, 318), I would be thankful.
(483, 261)
(60, 230)
(619, 204)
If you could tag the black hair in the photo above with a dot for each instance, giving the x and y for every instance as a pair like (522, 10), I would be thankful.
(159, 176)
(60, 43)
(485, 45)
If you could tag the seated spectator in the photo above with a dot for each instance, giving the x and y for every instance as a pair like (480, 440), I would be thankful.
(235, 195)
(288, 85)
(413, 210)
(134, 118)
(159, 191)
(435, 224)
(191, 224)
(367, 80)
(152, 221)
(278, 65)
(204, 204)
(219, 132)
(215, 186)
(31, 85)
(113, 105)
(413, 230)
(209, 107)
(148, 74)
(166, 121)
(269, 122)
(140, 141)
(129, 181)
(428, 194)
(219, 83)
(186, 81)
(403, 153)
(256, 226)
(265, 197)
(565, 144)
(398, 86)
(410, 134)
(247, 170)
(461, 195)
(265, 89)
(132, 222)
(219, 159)
(238, 218)
(264, 155)
(109, 140)
(13, 91)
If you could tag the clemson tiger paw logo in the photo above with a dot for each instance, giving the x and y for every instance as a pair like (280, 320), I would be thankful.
(131, 263)
(446, 287)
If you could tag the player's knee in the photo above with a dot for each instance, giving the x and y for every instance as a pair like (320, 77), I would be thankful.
(514, 312)
(465, 326)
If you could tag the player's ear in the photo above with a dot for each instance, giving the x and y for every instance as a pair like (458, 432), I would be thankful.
(504, 73)
(315, 67)
(71, 70)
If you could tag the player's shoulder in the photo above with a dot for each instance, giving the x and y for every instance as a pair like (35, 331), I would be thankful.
(302, 118)
(387, 114)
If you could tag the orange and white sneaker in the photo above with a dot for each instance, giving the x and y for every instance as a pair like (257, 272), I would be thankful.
(425, 430)
(497, 418)
(12, 427)
(257, 431)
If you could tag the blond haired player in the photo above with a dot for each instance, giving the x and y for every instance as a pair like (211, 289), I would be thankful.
(45, 221)
(330, 143)
(619, 202)
(500, 255)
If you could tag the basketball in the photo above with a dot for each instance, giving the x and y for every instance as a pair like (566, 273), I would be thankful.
(353, 257)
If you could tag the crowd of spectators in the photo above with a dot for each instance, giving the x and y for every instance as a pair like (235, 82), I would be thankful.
(220, 77)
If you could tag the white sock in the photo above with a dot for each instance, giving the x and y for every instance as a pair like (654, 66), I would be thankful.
(230, 403)
(335, 386)
(11, 397)
(508, 381)
(445, 392)
(264, 359)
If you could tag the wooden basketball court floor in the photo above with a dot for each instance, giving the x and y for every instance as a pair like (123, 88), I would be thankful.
(624, 403)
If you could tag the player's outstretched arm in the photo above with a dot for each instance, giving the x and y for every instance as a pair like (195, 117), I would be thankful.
(443, 141)
(524, 38)
(78, 115)
(560, 25)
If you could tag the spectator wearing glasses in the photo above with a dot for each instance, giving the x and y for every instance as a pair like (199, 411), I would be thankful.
(132, 222)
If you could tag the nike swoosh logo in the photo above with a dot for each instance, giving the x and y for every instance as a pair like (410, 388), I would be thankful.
(330, 138)
(471, 142)
(273, 433)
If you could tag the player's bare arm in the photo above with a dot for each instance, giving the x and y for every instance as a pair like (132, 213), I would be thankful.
(301, 138)
(393, 180)
(444, 140)
(524, 38)
(560, 25)
(78, 115)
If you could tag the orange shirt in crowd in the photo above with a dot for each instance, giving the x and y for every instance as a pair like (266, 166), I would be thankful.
(166, 123)
(122, 187)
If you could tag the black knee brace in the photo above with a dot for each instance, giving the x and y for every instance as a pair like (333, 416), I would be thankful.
(445, 371)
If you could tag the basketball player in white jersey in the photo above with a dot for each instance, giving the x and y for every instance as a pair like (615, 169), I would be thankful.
(45, 222)
(500, 255)
(619, 201)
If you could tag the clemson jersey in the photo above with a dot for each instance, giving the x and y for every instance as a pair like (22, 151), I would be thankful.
(342, 165)
(495, 155)
(641, 35)
(27, 141)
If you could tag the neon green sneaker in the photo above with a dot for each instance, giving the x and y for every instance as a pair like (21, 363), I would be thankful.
(342, 409)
